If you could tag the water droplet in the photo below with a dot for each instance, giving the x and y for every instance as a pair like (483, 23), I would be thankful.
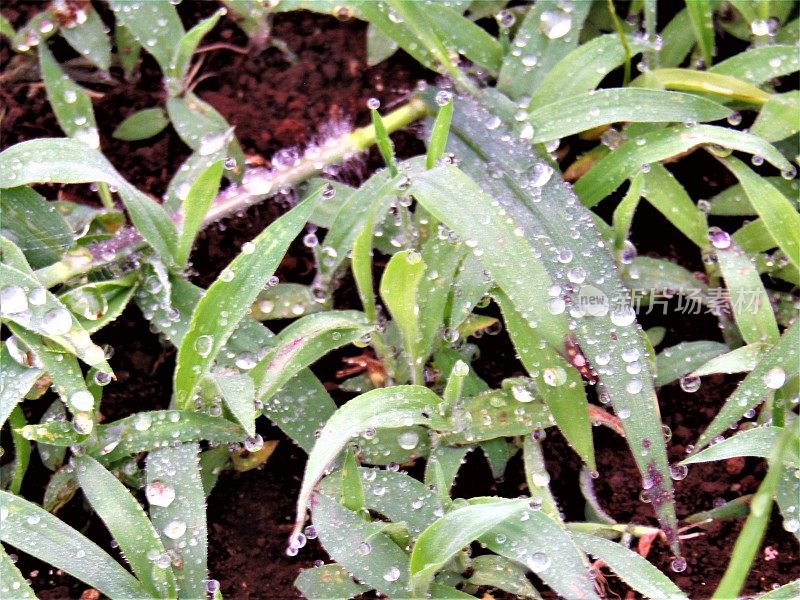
(540, 174)
(248, 248)
(57, 321)
(719, 239)
(408, 440)
(775, 378)
(364, 549)
(678, 472)
(505, 19)
(393, 574)
(13, 300)
(493, 122)
(37, 296)
(227, 275)
(102, 378)
(443, 97)
(203, 345)
(373, 104)
(212, 143)
(521, 393)
(556, 306)
(254, 443)
(538, 562)
(555, 23)
(623, 316)
(159, 493)
(70, 96)
(678, 565)
(175, 529)
(142, 422)
(690, 383)
(82, 423)
(82, 400)
(634, 386)
(554, 376)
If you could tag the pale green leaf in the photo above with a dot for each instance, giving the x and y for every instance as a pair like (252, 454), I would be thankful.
(89, 39)
(142, 124)
(758, 441)
(36, 226)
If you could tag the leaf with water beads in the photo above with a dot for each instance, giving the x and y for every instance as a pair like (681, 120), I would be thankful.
(129, 525)
(758, 441)
(790, 591)
(186, 46)
(327, 581)
(779, 117)
(760, 64)
(386, 407)
(41, 232)
(448, 535)
(546, 35)
(89, 39)
(361, 547)
(141, 125)
(750, 304)
(155, 25)
(70, 102)
(12, 583)
(195, 206)
(683, 358)
(34, 531)
(304, 342)
(70, 161)
(26, 303)
(724, 87)
(541, 544)
(95, 305)
(15, 382)
(733, 201)
(557, 383)
(150, 430)
(701, 16)
(586, 111)
(631, 567)
(233, 293)
(778, 215)
(739, 360)
(668, 196)
(609, 172)
(562, 238)
(238, 392)
(502, 573)
(779, 365)
(182, 524)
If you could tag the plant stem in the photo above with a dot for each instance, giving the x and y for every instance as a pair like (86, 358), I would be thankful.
(105, 195)
(231, 200)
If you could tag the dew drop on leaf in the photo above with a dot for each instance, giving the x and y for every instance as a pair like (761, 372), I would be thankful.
(159, 493)
(775, 378)
(13, 300)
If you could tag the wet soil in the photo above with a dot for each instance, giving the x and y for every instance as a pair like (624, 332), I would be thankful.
(274, 103)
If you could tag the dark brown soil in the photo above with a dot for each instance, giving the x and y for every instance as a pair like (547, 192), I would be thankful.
(275, 104)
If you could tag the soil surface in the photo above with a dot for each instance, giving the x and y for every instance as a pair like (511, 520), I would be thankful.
(276, 103)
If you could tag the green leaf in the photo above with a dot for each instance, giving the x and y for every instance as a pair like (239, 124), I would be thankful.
(128, 49)
(728, 88)
(285, 301)
(749, 540)
(38, 533)
(70, 161)
(759, 65)
(304, 342)
(676, 361)
(186, 46)
(149, 430)
(464, 36)
(667, 195)
(758, 441)
(543, 39)
(361, 264)
(352, 492)
(610, 171)
(448, 535)
(201, 195)
(128, 523)
(182, 524)
(544, 546)
(399, 290)
(678, 40)
(70, 102)
(47, 316)
(327, 581)
(777, 366)
(779, 117)
(556, 381)
(361, 547)
(441, 470)
(583, 69)
(12, 579)
(22, 450)
(622, 218)
(383, 142)
(776, 211)
(199, 124)
(752, 310)
(95, 305)
(249, 273)
(39, 230)
(439, 131)
(386, 407)
(379, 46)
(155, 25)
(574, 114)
(16, 380)
(238, 392)
(784, 592)
(142, 124)
(90, 39)
(629, 566)
(739, 360)
(499, 572)
(701, 16)
(733, 201)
